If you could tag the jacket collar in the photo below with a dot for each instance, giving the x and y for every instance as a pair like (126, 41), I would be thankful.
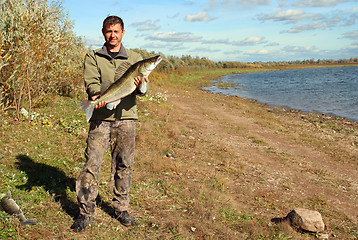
(121, 54)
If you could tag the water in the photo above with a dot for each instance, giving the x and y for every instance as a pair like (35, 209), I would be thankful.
(323, 90)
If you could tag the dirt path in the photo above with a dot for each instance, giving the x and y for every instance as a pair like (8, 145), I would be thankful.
(273, 160)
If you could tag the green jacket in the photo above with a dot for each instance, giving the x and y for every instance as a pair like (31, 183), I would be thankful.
(99, 71)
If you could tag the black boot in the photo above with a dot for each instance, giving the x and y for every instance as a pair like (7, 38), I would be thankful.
(81, 223)
(124, 218)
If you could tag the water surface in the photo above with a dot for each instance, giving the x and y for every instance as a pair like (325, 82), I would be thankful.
(331, 90)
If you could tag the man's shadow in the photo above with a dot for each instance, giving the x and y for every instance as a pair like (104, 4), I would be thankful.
(54, 181)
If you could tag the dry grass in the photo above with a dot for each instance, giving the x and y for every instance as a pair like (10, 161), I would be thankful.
(207, 166)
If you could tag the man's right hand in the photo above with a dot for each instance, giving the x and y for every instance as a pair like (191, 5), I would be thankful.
(100, 104)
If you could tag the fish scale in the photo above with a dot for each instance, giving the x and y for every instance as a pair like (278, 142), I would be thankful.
(124, 86)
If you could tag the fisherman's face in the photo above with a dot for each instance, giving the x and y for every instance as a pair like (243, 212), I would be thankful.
(113, 35)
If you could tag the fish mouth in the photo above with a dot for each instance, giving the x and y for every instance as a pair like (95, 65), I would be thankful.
(159, 59)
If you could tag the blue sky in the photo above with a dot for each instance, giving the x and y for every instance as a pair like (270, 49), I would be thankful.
(227, 30)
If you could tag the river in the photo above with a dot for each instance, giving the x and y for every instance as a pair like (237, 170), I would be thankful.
(331, 90)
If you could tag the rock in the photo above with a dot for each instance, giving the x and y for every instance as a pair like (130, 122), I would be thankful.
(306, 220)
(324, 236)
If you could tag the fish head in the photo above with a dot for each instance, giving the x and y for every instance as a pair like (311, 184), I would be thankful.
(149, 64)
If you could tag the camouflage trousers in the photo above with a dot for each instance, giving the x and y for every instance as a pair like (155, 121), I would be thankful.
(121, 137)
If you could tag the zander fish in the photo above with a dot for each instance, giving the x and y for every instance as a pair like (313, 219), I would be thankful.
(10, 206)
(124, 86)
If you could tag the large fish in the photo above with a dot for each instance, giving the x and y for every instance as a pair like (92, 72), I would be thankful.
(10, 206)
(124, 86)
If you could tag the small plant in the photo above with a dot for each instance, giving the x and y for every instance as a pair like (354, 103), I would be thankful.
(217, 184)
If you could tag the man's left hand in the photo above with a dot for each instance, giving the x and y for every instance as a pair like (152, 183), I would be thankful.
(138, 81)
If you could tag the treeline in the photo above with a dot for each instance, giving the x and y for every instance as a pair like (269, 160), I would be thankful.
(186, 62)
(40, 54)
(311, 61)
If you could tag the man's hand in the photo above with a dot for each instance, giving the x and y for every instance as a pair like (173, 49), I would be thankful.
(100, 104)
(138, 81)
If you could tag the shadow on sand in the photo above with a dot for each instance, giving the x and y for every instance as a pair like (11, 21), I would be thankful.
(54, 181)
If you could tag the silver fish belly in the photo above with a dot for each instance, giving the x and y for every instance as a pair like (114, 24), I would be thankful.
(122, 87)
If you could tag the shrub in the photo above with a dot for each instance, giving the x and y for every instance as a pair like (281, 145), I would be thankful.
(39, 53)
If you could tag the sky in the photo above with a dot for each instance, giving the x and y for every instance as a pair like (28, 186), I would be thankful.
(226, 30)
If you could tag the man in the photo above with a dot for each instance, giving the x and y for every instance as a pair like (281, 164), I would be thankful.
(115, 127)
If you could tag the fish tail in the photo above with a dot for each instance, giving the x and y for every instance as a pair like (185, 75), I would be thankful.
(28, 222)
(88, 107)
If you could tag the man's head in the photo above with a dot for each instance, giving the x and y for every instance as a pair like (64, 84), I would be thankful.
(113, 31)
(113, 20)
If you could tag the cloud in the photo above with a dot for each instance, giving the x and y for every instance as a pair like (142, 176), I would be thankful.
(199, 17)
(93, 42)
(236, 4)
(190, 2)
(174, 15)
(351, 35)
(233, 52)
(174, 37)
(301, 50)
(320, 21)
(273, 44)
(289, 15)
(254, 2)
(204, 50)
(217, 41)
(353, 47)
(307, 27)
(250, 41)
(145, 25)
(259, 52)
(351, 20)
(318, 3)
(262, 54)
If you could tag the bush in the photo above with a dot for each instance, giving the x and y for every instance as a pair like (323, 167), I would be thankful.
(39, 53)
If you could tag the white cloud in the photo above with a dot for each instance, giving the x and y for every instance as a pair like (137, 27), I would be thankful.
(306, 27)
(354, 47)
(93, 42)
(250, 41)
(204, 50)
(233, 52)
(254, 2)
(236, 4)
(152, 45)
(351, 35)
(199, 17)
(174, 37)
(300, 49)
(191, 2)
(259, 51)
(145, 25)
(318, 3)
(289, 15)
(273, 44)
(216, 41)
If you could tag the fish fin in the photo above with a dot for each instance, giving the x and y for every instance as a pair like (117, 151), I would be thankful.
(112, 105)
(121, 70)
(88, 107)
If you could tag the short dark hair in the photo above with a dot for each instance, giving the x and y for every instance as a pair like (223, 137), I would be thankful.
(113, 20)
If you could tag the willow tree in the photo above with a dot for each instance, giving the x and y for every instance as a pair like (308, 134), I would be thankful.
(39, 52)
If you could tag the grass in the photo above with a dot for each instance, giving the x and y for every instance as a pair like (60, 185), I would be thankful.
(188, 181)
